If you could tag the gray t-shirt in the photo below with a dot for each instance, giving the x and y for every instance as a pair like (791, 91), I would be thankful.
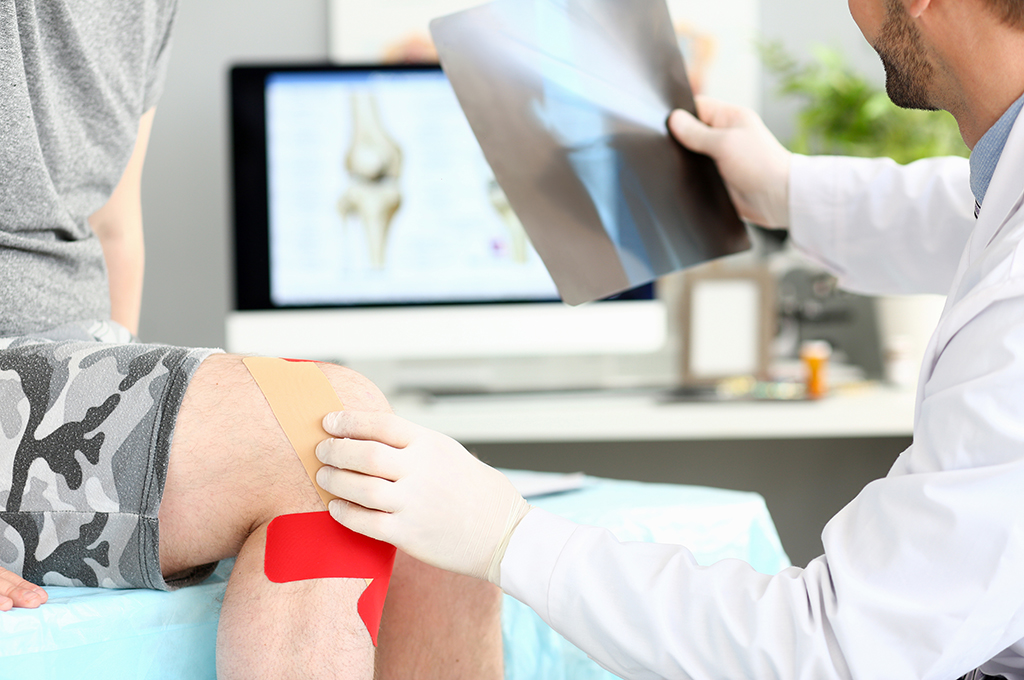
(75, 78)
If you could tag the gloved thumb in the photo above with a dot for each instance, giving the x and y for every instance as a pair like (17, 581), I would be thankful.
(692, 133)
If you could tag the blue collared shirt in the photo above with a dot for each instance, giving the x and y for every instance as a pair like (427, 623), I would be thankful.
(987, 151)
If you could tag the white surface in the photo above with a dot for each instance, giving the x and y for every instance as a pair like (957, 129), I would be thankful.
(610, 417)
(364, 32)
(725, 328)
(734, 73)
(538, 329)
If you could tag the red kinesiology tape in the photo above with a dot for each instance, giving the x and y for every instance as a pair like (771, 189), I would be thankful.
(312, 545)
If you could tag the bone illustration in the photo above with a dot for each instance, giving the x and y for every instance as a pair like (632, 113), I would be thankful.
(374, 165)
(517, 235)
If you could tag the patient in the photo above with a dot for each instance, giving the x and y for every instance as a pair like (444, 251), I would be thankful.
(125, 464)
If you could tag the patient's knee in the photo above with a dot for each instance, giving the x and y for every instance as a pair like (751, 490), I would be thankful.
(356, 392)
(232, 469)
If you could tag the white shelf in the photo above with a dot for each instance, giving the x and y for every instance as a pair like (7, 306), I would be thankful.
(874, 412)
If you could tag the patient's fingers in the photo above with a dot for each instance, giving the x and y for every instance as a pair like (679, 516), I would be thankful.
(17, 592)
(367, 457)
(369, 492)
(386, 428)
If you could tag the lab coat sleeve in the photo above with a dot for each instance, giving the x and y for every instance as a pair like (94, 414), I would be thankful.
(883, 228)
(645, 610)
(922, 572)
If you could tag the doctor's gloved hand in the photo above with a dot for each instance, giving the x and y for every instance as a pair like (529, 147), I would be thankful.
(420, 491)
(753, 164)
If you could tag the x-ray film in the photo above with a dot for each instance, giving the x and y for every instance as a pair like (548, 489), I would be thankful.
(569, 100)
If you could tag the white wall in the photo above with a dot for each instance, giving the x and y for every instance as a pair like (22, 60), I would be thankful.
(186, 193)
(186, 183)
(800, 25)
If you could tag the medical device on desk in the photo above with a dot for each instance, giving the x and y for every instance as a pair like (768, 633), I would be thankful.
(369, 227)
(812, 307)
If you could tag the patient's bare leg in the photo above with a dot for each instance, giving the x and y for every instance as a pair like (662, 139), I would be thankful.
(439, 625)
(231, 471)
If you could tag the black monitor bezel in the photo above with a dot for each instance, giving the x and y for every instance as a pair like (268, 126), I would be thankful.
(249, 187)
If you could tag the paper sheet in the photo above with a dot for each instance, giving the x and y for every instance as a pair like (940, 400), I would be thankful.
(569, 100)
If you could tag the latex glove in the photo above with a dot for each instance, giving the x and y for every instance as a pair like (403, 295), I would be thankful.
(753, 164)
(17, 592)
(420, 491)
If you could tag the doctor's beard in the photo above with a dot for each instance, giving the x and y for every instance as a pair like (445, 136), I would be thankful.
(907, 71)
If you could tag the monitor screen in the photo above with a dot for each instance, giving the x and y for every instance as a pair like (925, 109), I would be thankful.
(363, 208)
(373, 192)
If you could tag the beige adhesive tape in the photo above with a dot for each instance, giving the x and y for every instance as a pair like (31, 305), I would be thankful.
(300, 395)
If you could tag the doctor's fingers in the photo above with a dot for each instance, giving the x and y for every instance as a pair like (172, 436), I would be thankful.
(386, 428)
(372, 493)
(368, 457)
(720, 127)
(693, 134)
(372, 523)
(720, 115)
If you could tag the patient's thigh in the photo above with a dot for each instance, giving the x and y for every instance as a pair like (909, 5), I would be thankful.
(231, 467)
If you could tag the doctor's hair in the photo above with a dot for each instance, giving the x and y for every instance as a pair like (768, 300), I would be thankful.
(1011, 12)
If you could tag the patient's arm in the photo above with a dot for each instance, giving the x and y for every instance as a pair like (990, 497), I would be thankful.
(118, 224)
(17, 592)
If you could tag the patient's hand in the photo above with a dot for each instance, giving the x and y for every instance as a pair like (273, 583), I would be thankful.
(17, 592)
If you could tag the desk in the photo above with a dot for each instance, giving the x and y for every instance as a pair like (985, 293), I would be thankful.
(641, 417)
(807, 459)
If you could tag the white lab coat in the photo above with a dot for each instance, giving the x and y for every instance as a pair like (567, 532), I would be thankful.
(923, 573)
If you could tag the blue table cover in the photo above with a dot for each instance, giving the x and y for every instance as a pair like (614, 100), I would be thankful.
(87, 632)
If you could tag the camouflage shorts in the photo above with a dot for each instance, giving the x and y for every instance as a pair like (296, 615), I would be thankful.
(86, 417)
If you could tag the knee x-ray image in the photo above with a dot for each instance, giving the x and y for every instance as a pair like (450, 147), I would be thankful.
(569, 100)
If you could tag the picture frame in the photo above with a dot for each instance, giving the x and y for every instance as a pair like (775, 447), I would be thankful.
(726, 324)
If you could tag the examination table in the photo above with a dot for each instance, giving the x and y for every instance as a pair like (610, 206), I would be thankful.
(96, 633)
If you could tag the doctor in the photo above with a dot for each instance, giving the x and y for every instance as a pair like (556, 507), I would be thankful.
(923, 573)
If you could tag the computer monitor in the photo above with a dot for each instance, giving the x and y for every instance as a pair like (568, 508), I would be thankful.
(367, 226)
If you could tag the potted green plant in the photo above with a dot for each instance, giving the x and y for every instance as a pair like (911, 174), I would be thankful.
(844, 114)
